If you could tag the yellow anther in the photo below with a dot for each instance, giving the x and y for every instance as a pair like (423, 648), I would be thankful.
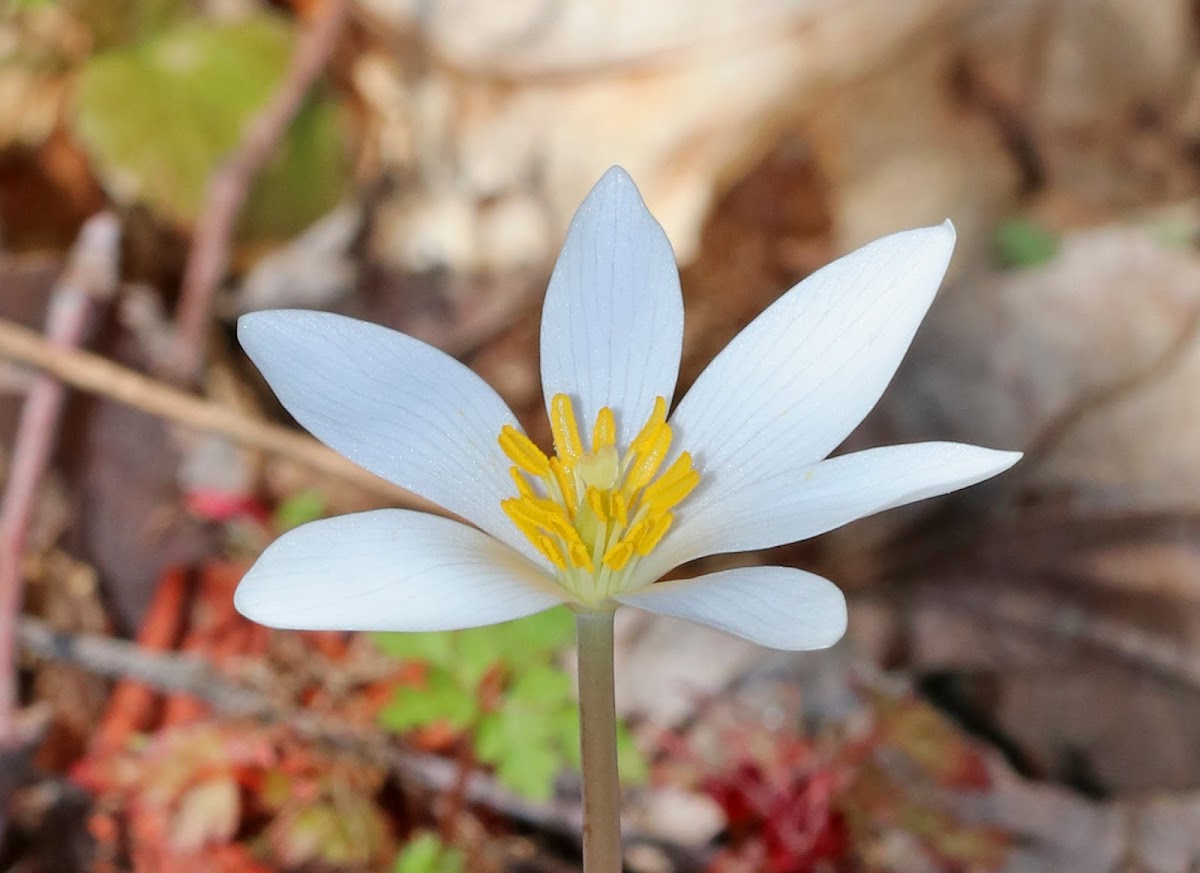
(582, 558)
(648, 432)
(604, 434)
(618, 508)
(649, 459)
(672, 486)
(551, 550)
(522, 452)
(512, 508)
(565, 429)
(596, 501)
(618, 556)
(523, 486)
(592, 513)
(635, 533)
(544, 514)
(566, 484)
(654, 533)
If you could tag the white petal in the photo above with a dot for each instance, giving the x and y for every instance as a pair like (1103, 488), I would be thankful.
(612, 325)
(779, 607)
(392, 404)
(801, 502)
(794, 383)
(390, 570)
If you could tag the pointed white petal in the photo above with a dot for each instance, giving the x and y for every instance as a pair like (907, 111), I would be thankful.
(779, 607)
(612, 325)
(390, 570)
(392, 404)
(801, 376)
(801, 501)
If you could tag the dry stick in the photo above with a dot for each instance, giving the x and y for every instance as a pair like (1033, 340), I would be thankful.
(229, 185)
(174, 673)
(1044, 617)
(89, 280)
(98, 375)
(186, 674)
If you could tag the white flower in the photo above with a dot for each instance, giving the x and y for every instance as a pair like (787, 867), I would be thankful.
(739, 466)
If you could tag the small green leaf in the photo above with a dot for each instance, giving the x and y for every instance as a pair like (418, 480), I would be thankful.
(530, 772)
(435, 649)
(426, 853)
(540, 688)
(299, 509)
(474, 654)
(442, 699)
(522, 739)
(157, 119)
(535, 638)
(1022, 243)
(534, 733)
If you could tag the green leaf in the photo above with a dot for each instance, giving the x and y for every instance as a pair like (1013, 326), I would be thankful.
(535, 731)
(435, 649)
(442, 699)
(426, 853)
(112, 23)
(474, 654)
(535, 638)
(522, 739)
(299, 509)
(159, 117)
(526, 762)
(1022, 243)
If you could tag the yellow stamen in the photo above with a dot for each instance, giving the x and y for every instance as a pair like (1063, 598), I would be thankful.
(522, 451)
(649, 459)
(654, 534)
(523, 486)
(672, 486)
(581, 558)
(594, 514)
(618, 556)
(566, 484)
(596, 501)
(650, 430)
(618, 508)
(565, 429)
(604, 434)
(551, 550)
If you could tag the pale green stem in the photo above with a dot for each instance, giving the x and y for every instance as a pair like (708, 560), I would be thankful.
(598, 737)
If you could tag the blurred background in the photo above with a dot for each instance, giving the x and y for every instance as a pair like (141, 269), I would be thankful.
(1020, 686)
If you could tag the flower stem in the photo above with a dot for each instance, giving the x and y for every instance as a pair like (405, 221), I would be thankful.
(598, 736)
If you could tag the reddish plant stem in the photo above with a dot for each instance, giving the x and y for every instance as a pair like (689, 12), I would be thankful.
(230, 184)
(89, 280)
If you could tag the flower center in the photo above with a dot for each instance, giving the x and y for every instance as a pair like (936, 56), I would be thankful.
(595, 513)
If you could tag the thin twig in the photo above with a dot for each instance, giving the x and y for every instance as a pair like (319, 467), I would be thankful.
(89, 280)
(1051, 618)
(186, 674)
(1055, 432)
(98, 375)
(229, 185)
(173, 673)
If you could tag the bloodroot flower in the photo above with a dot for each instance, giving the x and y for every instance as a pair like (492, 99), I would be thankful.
(628, 493)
